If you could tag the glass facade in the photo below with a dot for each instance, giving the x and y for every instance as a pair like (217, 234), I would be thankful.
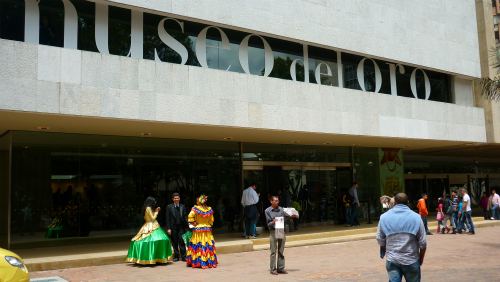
(288, 57)
(93, 186)
(66, 185)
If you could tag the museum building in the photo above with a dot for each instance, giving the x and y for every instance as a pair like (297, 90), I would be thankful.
(103, 103)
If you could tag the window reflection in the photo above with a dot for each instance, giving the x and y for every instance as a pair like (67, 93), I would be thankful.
(67, 185)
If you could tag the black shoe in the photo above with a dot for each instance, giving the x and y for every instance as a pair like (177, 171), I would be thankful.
(282, 271)
(175, 259)
(471, 233)
(183, 259)
(429, 233)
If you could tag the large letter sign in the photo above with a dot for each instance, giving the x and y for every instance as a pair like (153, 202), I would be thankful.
(361, 75)
(171, 42)
(268, 55)
(201, 44)
(413, 84)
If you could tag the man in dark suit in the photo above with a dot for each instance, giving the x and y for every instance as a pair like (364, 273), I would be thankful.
(176, 225)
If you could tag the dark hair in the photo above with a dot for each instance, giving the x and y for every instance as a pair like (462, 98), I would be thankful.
(424, 194)
(354, 182)
(175, 194)
(274, 196)
(401, 198)
(150, 202)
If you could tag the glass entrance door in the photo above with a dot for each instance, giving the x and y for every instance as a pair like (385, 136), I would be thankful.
(314, 189)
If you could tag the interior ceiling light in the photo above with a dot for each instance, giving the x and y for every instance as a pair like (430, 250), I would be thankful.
(146, 134)
(228, 138)
(44, 128)
(327, 143)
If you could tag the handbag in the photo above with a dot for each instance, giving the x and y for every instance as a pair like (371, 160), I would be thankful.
(439, 216)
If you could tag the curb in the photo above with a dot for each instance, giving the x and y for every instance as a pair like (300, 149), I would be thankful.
(237, 246)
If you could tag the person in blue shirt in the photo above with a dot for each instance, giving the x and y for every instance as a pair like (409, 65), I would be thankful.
(402, 238)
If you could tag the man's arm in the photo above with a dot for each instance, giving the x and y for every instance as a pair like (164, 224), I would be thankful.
(422, 255)
(381, 240)
(243, 198)
(255, 197)
(269, 220)
(422, 242)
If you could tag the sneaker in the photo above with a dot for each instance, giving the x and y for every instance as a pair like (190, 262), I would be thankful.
(492, 218)
(253, 237)
(429, 233)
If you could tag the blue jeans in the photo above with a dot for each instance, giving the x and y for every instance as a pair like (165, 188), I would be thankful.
(468, 221)
(354, 215)
(495, 212)
(424, 219)
(396, 272)
(348, 216)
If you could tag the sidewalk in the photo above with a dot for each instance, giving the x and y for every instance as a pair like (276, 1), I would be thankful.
(38, 259)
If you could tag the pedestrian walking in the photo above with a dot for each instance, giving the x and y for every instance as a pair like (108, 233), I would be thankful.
(454, 208)
(151, 245)
(275, 218)
(402, 238)
(347, 201)
(441, 228)
(485, 205)
(201, 251)
(448, 214)
(495, 205)
(422, 210)
(177, 225)
(249, 200)
(467, 210)
(353, 193)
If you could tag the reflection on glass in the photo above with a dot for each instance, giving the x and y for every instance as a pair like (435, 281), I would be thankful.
(289, 61)
(66, 185)
(323, 66)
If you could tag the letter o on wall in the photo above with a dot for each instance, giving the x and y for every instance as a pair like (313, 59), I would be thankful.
(361, 75)
(201, 44)
(413, 84)
(268, 55)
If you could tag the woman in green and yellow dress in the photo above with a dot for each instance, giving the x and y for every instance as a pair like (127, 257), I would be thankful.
(201, 248)
(151, 245)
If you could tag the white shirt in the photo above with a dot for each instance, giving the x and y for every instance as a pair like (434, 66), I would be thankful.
(467, 199)
(495, 199)
(249, 197)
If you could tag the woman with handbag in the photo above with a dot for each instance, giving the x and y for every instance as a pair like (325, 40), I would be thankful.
(440, 217)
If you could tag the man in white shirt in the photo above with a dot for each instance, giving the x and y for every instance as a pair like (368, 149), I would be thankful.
(467, 210)
(495, 205)
(249, 200)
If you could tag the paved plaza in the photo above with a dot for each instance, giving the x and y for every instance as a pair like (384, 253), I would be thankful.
(449, 258)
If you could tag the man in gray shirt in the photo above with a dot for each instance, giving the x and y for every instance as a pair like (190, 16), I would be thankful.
(276, 244)
(402, 237)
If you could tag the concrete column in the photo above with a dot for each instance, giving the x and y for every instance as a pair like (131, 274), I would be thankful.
(488, 59)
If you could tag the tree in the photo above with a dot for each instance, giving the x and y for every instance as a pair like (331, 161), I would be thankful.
(490, 88)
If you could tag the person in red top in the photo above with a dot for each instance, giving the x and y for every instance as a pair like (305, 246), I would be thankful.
(422, 210)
